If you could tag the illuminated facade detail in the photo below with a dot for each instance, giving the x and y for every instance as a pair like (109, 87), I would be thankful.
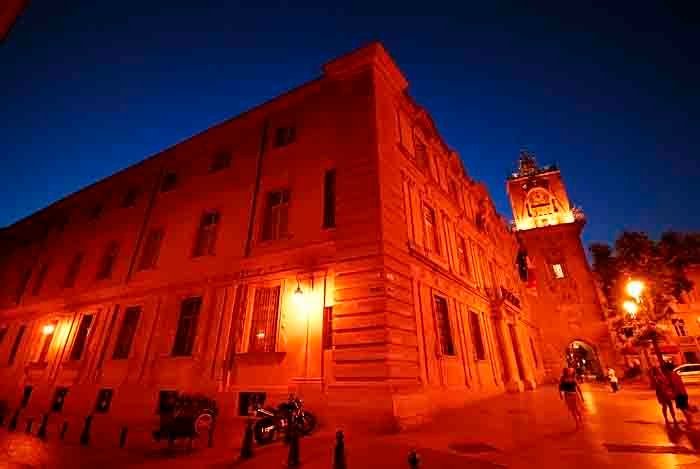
(364, 270)
(563, 294)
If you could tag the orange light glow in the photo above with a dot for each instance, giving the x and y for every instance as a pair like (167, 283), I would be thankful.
(48, 329)
(634, 288)
(631, 308)
(260, 335)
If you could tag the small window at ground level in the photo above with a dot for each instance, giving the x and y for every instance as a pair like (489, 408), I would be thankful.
(248, 401)
(167, 399)
(104, 400)
(59, 397)
(558, 271)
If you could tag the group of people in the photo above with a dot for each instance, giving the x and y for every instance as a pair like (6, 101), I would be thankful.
(670, 389)
(667, 383)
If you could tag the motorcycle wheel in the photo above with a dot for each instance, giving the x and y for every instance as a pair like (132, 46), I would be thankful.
(308, 423)
(264, 431)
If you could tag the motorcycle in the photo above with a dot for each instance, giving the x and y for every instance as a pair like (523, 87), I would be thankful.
(273, 421)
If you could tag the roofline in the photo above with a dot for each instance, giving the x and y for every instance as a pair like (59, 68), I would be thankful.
(154, 156)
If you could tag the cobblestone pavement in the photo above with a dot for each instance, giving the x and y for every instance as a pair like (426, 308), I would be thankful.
(528, 430)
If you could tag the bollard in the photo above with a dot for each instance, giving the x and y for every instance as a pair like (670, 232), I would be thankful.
(64, 429)
(85, 435)
(413, 459)
(339, 454)
(293, 456)
(247, 447)
(41, 433)
(210, 441)
(28, 428)
(122, 437)
(12, 426)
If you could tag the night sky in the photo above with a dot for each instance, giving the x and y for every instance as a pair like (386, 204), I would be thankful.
(611, 95)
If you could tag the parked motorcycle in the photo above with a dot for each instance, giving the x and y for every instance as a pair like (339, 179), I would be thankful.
(275, 421)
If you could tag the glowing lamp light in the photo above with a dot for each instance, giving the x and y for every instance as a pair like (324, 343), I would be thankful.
(630, 307)
(299, 298)
(634, 288)
(48, 329)
(260, 335)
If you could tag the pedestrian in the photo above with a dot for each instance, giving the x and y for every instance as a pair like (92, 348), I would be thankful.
(570, 392)
(613, 380)
(679, 392)
(664, 393)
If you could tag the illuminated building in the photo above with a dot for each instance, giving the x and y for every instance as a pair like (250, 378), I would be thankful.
(327, 242)
(563, 294)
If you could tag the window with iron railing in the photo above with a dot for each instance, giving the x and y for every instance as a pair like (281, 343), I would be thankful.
(263, 327)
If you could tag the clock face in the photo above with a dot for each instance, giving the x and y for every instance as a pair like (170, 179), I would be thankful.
(540, 203)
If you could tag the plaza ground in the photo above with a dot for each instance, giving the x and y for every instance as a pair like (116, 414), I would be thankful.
(528, 430)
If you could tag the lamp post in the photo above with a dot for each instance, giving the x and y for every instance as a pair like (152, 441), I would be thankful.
(637, 304)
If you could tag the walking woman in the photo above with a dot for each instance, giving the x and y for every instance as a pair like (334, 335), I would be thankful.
(664, 393)
(679, 393)
(570, 392)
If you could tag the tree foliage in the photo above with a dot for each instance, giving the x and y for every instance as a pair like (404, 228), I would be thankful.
(659, 264)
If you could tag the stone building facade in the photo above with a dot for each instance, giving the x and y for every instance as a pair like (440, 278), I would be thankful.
(327, 242)
(563, 294)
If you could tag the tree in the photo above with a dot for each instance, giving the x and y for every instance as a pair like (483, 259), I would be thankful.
(660, 265)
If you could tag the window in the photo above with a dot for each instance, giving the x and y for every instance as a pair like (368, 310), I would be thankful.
(462, 257)
(104, 399)
(442, 322)
(327, 328)
(96, 211)
(59, 397)
(206, 235)
(22, 286)
(25, 396)
(169, 182)
(477, 338)
(284, 136)
(221, 161)
(276, 216)
(167, 400)
(39, 282)
(329, 199)
(679, 326)
(108, 259)
(557, 271)
(263, 328)
(131, 197)
(126, 333)
(432, 241)
(16, 344)
(422, 156)
(151, 249)
(48, 338)
(454, 192)
(534, 353)
(187, 327)
(73, 270)
(76, 352)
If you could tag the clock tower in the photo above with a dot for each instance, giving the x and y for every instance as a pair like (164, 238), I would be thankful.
(563, 291)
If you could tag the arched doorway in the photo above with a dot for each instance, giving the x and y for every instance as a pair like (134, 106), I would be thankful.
(582, 357)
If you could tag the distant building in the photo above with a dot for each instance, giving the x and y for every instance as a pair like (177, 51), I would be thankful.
(9, 12)
(327, 242)
(563, 294)
(683, 324)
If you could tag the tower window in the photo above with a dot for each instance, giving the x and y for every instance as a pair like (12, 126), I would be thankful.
(284, 136)
(558, 271)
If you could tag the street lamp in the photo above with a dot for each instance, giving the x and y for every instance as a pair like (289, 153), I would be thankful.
(634, 289)
(631, 308)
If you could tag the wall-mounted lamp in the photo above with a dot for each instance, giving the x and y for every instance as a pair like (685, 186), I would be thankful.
(48, 329)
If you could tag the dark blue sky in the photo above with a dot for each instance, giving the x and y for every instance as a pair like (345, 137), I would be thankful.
(611, 95)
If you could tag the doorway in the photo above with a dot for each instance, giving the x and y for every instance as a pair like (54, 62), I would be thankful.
(583, 358)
